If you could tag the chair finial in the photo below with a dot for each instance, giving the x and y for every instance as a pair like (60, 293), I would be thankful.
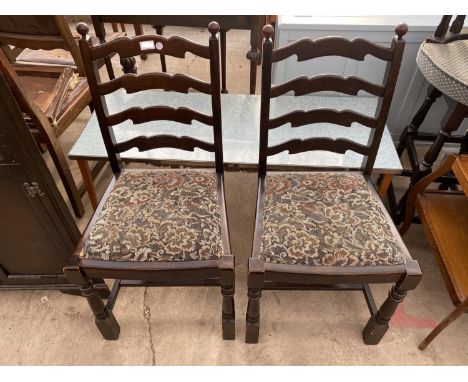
(401, 30)
(213, 27)
(82, 29)
(268, 31)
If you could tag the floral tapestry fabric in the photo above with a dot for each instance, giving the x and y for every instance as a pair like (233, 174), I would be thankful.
(325, 218)
(158, 215)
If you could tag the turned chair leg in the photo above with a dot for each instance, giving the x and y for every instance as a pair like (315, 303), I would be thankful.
(253, 316)
(377, 325)
(104, 318)
(228, 313)
(457, 312)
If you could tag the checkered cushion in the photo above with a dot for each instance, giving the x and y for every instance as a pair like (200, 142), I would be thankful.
(445, 66)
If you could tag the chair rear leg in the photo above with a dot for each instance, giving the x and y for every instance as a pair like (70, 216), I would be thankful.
(253, 316)
(104, 318)
(228, 312)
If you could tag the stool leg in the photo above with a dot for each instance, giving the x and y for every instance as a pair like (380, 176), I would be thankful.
(418, 119)
(452, 120)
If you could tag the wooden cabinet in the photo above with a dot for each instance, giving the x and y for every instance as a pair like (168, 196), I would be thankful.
(37, 231)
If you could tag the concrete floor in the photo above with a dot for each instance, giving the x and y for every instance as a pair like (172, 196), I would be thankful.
(182, 326)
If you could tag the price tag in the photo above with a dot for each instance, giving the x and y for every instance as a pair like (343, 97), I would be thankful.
(147, 45)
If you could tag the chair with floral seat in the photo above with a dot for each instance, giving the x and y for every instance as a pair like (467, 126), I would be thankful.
(327, 229)
(156, 227)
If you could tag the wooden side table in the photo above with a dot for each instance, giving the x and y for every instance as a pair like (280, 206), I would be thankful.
(444, 215)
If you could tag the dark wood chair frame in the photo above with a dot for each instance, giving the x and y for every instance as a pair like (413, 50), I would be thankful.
(159, 22)
(189, 273)
(269, 276)
(456, 113)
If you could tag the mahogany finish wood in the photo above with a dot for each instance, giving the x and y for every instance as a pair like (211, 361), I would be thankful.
(174, 46)
(357, 49)
(444, 215)
(301, 117)
(296, 146)
(264, 276)
(305, 85)
(158, 113)
(186, 273)
(132, 83)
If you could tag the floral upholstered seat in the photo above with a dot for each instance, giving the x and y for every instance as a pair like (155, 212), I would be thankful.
(158, 215)
(325, 218)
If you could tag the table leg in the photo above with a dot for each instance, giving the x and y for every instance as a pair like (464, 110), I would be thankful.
(88, 181)
(384, 184)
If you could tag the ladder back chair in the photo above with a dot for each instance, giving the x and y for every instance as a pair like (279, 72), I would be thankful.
(156, 227)
(327, 229)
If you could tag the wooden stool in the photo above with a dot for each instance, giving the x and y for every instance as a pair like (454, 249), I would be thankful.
(442, 60)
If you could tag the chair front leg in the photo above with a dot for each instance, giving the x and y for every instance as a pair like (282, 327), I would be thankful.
(104, 318)
(254, 293)
(253, 316)
(228, 314)
(377, 325)
(227, 280)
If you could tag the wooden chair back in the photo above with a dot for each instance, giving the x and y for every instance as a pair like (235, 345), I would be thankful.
(306, 49)
(39, 32)
(176, 47)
